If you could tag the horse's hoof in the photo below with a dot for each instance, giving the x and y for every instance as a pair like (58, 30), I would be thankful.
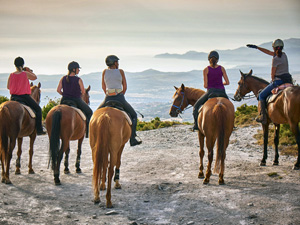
(3, 180)
(78, 170)
(7, 181)
(296, 167)
(17, 172)
(275, 163)
(200, 175)
(118, 186)
(109, 205)
(262, 164)
(66, 171)
(57, 183)
(31, 171)
(96, 201)
(206, 181)
(221, 182)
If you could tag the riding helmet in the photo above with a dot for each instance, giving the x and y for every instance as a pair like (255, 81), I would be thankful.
(213, 54)
(277, 43)
(73, 65)
(19, 61)
(111, 59)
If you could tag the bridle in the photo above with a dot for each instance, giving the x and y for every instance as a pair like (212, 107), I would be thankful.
(178, 108)
(245, 97)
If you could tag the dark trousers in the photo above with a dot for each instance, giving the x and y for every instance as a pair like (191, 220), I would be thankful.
(28, 100)
(80, 104)
(127, 107)
(211, 93)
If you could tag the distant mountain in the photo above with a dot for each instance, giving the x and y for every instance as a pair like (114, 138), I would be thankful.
(244, 55)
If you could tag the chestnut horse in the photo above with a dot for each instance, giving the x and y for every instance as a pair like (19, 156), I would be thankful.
(109, 132)
(285, 109)
(215, 121)
(64, 122)
(16, 123)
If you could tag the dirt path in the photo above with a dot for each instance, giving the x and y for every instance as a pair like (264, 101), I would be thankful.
(159, 186)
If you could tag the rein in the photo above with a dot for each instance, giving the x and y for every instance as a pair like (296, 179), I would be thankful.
(179, 110)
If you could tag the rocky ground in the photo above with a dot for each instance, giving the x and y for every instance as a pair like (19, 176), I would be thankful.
(159, 186)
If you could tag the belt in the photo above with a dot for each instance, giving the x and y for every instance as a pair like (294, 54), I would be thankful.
(114, 91)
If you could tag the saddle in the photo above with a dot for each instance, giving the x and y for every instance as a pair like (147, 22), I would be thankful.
(119, 106)
(277, 92)
(74, 106)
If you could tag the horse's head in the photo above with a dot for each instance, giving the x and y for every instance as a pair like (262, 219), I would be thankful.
(36, 92)
(243, 88)
(86, 96)
(180, 101)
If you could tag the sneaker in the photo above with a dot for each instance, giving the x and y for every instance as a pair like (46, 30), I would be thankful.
(134, 142)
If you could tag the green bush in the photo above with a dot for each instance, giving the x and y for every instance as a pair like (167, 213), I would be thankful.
(156, 123)
(49, 106)
(3, 99)
(245, 115)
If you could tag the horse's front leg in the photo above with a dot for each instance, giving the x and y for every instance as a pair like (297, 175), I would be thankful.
(296, 132)
(276, 142)
(32, 139)
(117, 170)
(19, 153)
(66, 163)
(201, 154)
(3, 168)
(265, 134)
(77, 164)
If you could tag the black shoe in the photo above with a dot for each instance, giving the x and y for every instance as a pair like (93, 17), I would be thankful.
(195, 128)
(134, 142)
(41, 132)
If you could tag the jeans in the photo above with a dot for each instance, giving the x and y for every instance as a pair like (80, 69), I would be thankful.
(267, 90)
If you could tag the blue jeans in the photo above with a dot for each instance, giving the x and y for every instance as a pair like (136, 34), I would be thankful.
(267, 90)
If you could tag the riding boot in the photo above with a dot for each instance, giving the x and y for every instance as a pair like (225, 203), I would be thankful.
(87, 128)
(195, 114)
(133, 141)
(262, 118)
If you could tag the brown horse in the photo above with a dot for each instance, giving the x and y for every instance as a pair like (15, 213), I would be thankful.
(109, 132)
(64, 122)
(285, 109)
(16, 123)
(215, 121)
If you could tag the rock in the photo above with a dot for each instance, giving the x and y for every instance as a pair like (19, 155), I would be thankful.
(112, 212)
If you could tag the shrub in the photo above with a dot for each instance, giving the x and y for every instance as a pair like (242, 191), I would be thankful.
(245, 115)
(49, 106)
(3, 99)
(155, 124)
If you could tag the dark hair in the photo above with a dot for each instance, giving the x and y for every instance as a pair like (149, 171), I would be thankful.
(278, 51)
(19, 63)
(213, 61)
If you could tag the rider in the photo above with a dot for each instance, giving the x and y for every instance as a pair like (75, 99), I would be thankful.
(213, 81)
(114, 86)
(19, 88)
(71, 88)
(279, 74)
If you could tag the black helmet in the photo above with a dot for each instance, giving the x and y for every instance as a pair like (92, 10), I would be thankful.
(19, 61)
(111, 59)
(213, 54)
(73, 65)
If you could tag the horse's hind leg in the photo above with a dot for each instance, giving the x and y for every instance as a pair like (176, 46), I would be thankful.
(108, 191)
(66, 163)
(19, 153)
(276, 142)
(8, 159)
(210, 147)
(117, 170)
(77, 165)
(32, 139)
(295, 130)
(3, 170)
(201, 154)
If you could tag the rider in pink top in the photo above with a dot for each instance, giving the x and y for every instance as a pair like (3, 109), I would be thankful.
(19, 88)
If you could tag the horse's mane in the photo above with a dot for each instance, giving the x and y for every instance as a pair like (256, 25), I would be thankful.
(259, 79)
(193, 92)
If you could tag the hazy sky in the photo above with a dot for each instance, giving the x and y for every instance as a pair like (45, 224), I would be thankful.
(50, 34)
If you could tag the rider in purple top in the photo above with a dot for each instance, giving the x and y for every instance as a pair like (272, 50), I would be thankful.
(213, 80)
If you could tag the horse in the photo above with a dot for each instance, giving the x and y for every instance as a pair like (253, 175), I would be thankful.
(215, 121)
(109, 132)
(285, 109)
(64, 123)
(16, 123)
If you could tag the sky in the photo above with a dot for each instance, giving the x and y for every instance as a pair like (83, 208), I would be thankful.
(50, 34)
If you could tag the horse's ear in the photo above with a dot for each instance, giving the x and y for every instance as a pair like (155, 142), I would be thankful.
(176, 88)
(250, 73)
(31, 84)
(88, 88)
(39, 85)
(182, 87)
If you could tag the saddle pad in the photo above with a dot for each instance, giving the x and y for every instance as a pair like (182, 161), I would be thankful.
(79, 112)
(126, 116)
(29, 110)
(273, 97)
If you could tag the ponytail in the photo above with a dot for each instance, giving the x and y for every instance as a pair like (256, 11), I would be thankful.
(278, 51)
(213, 61)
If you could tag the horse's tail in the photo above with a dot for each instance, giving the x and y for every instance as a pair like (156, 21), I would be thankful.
(220, 116)
(102, 149)
(4, 120)
(54, 138)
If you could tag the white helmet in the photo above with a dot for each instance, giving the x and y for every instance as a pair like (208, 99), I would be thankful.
(277, 43)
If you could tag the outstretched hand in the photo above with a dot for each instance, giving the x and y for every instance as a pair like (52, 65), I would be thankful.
(251, 46)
